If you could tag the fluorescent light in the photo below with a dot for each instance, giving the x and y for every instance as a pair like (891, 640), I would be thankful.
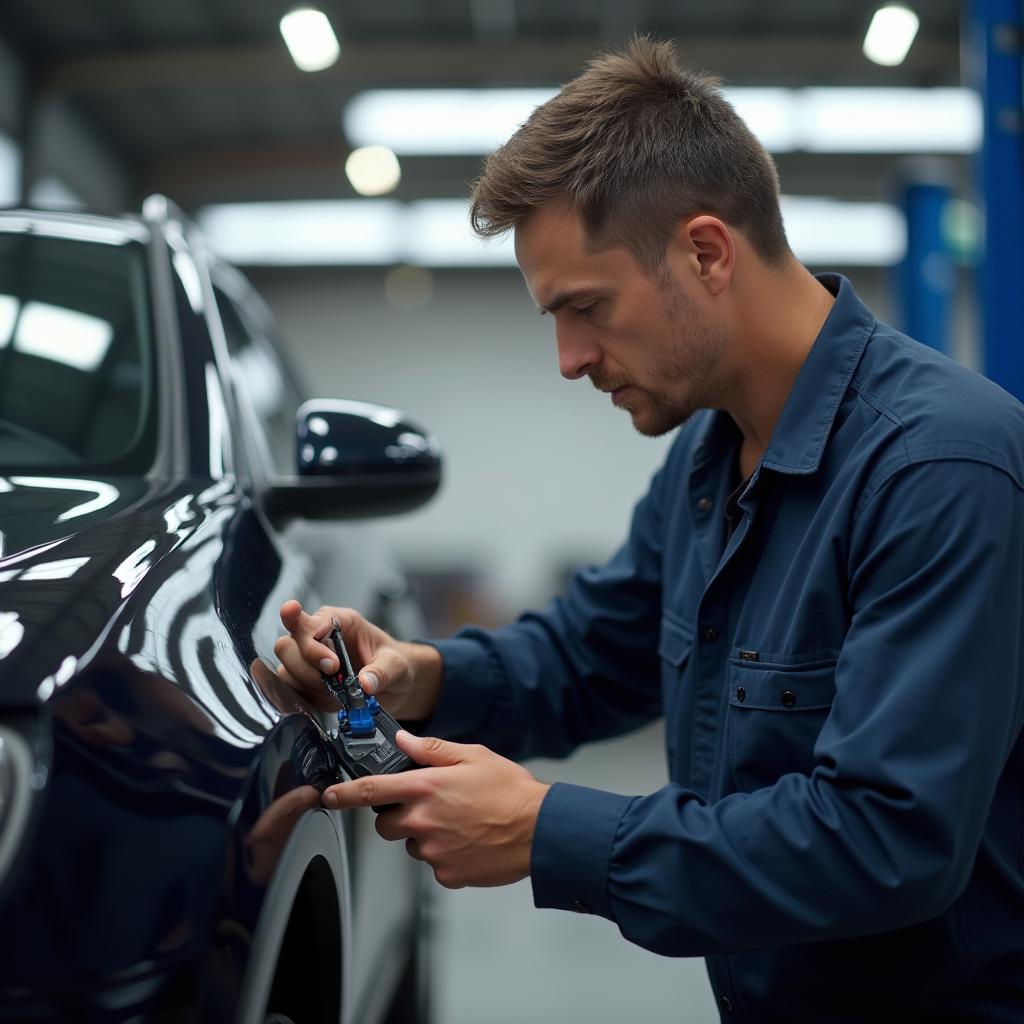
(310, 39)
(439, 121)
(436, 233)
(373, 170)
(829, 232)
(344, 231)
(890, 34)
(839, 120)
(771, 114)
(834, 120)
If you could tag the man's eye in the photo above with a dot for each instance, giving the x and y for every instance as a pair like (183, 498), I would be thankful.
(586, 310)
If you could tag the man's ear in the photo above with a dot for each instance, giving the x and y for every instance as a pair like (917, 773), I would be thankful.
(707, 249)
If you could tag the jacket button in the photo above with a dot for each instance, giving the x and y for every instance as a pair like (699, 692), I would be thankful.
(710, 634)
(704, 504)
(726, 1004)
(580, 907)
(741, 694)
(788, 698)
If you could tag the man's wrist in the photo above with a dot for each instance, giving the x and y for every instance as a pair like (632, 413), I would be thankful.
(427, 669)
(535, 798)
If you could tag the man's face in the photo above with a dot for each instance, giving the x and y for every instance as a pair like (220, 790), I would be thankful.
(640, 338)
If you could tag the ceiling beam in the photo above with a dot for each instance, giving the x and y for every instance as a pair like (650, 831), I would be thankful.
(782, 59)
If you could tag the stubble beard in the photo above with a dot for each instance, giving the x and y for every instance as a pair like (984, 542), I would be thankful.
(687, 369)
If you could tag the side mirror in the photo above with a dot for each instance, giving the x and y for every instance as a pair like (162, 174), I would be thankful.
(355, 460)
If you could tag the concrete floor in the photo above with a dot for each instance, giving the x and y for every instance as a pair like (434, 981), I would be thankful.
(498, 960)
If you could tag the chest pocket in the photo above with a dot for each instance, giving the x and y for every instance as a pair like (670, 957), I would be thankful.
(775, 714)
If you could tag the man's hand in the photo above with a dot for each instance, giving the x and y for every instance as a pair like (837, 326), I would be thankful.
(470, 815)
(405, 677)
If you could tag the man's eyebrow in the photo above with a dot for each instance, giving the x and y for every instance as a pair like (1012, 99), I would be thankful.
(572, 295)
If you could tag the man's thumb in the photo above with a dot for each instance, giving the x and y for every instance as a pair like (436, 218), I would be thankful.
(429, 750)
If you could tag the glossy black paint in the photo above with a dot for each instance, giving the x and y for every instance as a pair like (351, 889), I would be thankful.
(172, 764)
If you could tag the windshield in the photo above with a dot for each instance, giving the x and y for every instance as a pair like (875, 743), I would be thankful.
(75, 354)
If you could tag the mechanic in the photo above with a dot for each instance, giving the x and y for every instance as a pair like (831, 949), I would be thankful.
(822, 592)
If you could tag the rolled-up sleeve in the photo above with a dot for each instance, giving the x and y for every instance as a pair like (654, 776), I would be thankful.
(883, 833)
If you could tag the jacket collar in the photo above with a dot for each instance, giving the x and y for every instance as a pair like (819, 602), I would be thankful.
(799, 437)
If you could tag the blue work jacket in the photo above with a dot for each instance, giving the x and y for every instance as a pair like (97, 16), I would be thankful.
(842, 682)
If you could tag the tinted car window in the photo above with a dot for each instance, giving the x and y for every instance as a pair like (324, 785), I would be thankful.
(75, 354)
(273, 395)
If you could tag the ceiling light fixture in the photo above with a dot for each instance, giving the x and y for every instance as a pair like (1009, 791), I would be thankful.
(829, 119)
(373, 170)
(310, 39)
(436, 233)
(890, 34)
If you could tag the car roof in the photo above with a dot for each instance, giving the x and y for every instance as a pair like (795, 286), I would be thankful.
(84, 227)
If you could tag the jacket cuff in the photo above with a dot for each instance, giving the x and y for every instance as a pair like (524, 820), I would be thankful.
(572, 845)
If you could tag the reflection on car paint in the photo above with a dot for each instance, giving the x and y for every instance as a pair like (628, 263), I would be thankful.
(105, 493)
(133, 569)
(59, 569)
(11, 632)
(220, 448)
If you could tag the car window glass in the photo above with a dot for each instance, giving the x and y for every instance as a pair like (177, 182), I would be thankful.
(270, 394)
(75, 354)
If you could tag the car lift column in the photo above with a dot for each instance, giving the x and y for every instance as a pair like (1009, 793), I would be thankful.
(925, 278)
(996, 35)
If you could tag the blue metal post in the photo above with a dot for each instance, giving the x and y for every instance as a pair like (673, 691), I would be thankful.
(926, 276)
(997, 38)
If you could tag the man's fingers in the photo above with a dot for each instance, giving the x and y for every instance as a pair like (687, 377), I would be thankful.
(320, 655)
(431, 751)
(314, 694)
(371, 791)
(295, 664)
(290, 613)
(386, 665)
(307, 632)
(295, 620)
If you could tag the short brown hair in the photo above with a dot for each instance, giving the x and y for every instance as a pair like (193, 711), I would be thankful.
(634, 145)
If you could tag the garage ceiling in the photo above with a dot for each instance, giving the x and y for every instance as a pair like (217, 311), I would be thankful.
(200, 100)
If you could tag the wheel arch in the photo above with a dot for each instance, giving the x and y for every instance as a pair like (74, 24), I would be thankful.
(313, 850)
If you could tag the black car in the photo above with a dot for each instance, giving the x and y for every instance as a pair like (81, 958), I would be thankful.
(163, 853)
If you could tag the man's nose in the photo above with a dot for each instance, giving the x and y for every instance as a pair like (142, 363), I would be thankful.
(577, 354)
